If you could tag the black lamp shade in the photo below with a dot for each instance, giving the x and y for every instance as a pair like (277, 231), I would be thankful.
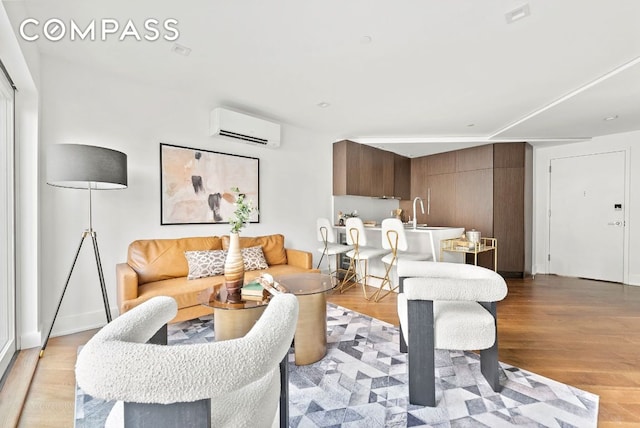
(78, 166)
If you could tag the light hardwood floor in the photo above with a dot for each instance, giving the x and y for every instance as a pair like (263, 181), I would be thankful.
(580, 332)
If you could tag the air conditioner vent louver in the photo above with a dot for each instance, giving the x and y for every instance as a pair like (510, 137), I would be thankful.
(243, 127)
(243, 137)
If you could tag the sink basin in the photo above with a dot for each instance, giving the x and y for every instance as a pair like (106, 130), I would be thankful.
(423, 226)
(419, 225)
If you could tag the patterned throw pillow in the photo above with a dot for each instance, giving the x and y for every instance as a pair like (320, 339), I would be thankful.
(254, 258)
(205, 263)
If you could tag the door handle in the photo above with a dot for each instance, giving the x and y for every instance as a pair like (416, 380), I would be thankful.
(614, 223)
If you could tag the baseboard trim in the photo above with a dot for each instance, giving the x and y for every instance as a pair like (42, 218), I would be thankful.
(634, 279)
(79, 322)
(31, 340)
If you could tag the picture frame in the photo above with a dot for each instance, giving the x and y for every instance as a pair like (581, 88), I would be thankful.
(196, 185)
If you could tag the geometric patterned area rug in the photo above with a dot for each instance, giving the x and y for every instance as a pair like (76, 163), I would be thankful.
(362, 382)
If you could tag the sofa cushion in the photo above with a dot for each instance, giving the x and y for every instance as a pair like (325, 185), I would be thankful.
(158, 259)
(272, 247)
(253, 258)
(205, 263)
(186, 292)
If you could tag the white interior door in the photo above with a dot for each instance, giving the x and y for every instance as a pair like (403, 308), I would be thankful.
(587, 216)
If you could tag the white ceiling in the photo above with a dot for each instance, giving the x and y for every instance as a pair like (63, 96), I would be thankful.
(436, 75)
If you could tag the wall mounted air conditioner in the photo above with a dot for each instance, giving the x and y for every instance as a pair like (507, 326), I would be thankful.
(243, 127)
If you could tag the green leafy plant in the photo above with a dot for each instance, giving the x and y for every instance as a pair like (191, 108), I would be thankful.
(243, 211)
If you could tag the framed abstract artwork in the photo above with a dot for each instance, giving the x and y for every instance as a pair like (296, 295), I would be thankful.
(196, 185)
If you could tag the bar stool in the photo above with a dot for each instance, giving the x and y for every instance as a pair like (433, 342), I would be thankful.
(394, 238)
(329, 248)
(359, 256)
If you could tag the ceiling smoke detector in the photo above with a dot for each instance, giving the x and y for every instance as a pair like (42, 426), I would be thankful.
(518, 14)
(180, 49)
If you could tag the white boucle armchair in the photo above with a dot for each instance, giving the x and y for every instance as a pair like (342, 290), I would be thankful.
(232, 383)
(447, 306)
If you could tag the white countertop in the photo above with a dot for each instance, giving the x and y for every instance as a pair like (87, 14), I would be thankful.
(424, 239)
(410, 229)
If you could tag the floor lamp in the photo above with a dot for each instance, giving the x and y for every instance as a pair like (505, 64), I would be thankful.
(78, 166)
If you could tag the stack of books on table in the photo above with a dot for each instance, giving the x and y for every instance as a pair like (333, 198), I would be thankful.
(254, 291)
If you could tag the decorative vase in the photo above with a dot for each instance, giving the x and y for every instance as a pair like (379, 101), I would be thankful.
(234, 268)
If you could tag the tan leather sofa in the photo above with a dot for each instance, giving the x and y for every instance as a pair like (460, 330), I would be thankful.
(158, 267)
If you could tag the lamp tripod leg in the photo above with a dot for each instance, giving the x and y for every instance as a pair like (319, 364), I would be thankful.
(55, 315)
(105, 297)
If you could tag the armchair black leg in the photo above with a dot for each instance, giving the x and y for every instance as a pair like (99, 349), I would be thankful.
(284, 392)
(421, 358)
(160, 338)
(489, 365)
(403, 343)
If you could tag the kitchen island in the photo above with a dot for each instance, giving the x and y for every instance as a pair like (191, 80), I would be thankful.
(423, 239)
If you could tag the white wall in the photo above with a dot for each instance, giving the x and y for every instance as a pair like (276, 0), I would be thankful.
(86, 106)
(542, 156)
(368, 208)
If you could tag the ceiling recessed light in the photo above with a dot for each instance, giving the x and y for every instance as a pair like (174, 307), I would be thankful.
(180, 49)
(610, 118)
(323, 104)
(365, 40)
(471, 125)
(517, 14)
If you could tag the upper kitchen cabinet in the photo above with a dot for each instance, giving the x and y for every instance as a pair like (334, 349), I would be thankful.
(441, 163)
(474, 158)
(385, 163)
(366, 185)
(401, 177)
(361, 170)
(419, 177)
(346, 168)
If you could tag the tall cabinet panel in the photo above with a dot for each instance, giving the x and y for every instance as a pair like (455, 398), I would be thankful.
(512, 208)
(440, 204)
(474, 200)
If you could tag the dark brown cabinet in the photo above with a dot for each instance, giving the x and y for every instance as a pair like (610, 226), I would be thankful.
(440, 206)
(487, 188)
(346, 168)
(361, 170)
(512, 206)
(401, 177)
(366, 166)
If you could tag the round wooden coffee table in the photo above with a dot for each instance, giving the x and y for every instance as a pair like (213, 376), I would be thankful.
(310, 340)
(231, 319)
(234, 319)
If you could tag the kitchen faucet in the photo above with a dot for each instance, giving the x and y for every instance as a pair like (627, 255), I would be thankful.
(415, 221)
